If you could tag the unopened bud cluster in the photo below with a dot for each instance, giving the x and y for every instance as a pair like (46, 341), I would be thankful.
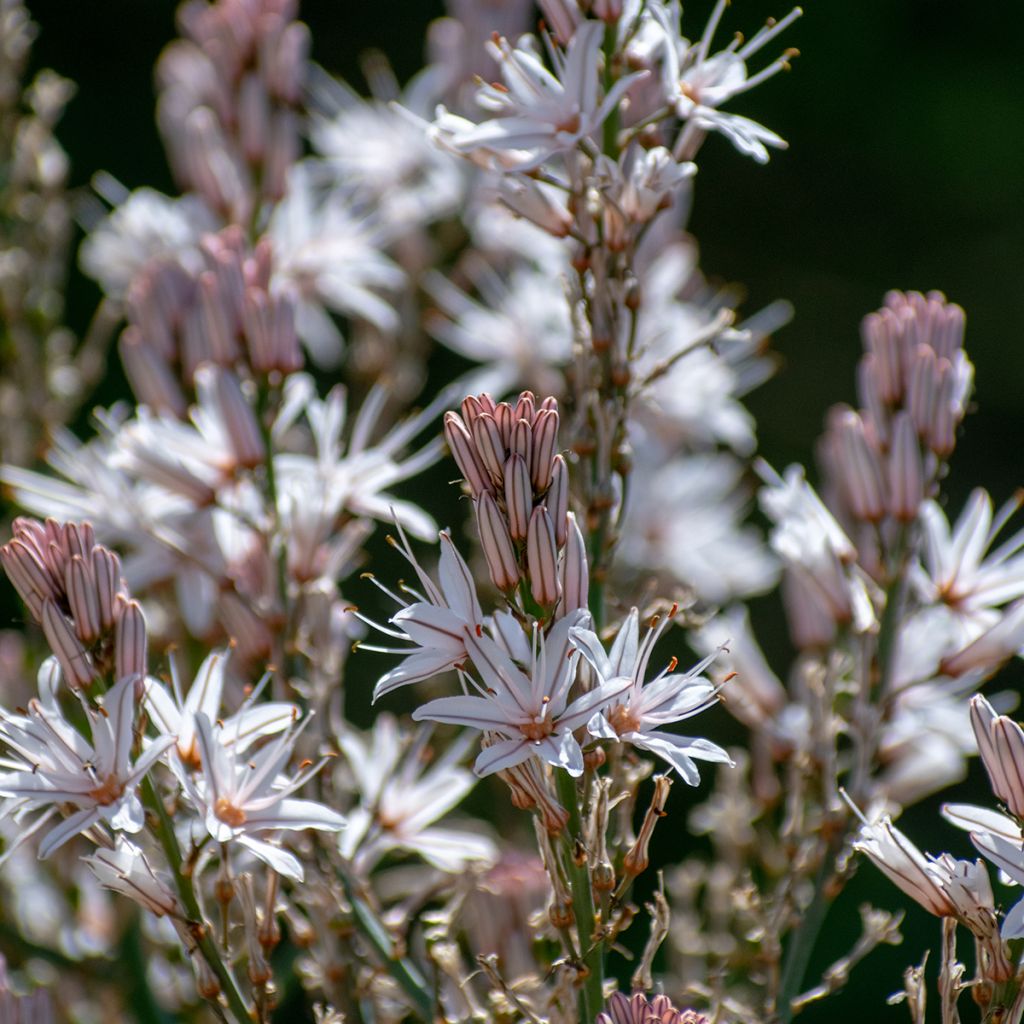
(913, 382)
(229, 94)
(74, 590)
(509, 457)
(225, 315)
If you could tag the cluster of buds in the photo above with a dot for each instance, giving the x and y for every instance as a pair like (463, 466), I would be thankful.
(225, 314)
(74, 590)
(229, 98)
(638, 1009)
(913, 383)
(508, 455)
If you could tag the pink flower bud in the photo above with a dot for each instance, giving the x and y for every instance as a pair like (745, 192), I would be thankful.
(82, 598)
(906, 472)
(489, 446)
(526, 408)
(287, 352)
(518, 497)
(522, 442)
(1001, 746)
(106, 568)
(921, 388)
(216, 321)
(545, 444)
(464, 452)
(575, 571)
(941, 432)
(253, 117)
(505, 420)
(542, 558)
(67, 648)
(149, 375)
(558, 498)
(861, 469)
(130, 653)
(496, 543)
(26, 571)
(237, 415)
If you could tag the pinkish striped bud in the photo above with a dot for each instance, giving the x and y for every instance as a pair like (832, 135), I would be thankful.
(522, 442)
(862, 472)
(518, 497)
(82, 599)
(941, 432)
(77, 539)
(464, 452)
(872, 408)
(489, 446)
(67, 648)
(149, 375)
(282, 153)
(525, 408)
(471, 408)
(106, 569)
(906, 472)
(575, 571)
(542, 558)
(195, 350)
(256, 329)
(253, 117)
(237, 415)
(921, 389)
(130, 649)
(607, 10)
(215, 320)
(545, 444)
(1001, 746)
(527, 199)
(285, 347)
(505, 420)
(557, 499)
(27, 572)
(496, 543)
(882, 334)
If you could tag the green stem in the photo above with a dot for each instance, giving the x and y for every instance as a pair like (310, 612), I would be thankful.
(591, 950)
(401, 968)
(190, 903)
(610, 138)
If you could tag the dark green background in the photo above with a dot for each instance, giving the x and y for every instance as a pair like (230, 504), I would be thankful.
(906, 169)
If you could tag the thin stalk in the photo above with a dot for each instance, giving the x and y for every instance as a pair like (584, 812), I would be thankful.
(190, 903)
(401, 968)
(592, 952)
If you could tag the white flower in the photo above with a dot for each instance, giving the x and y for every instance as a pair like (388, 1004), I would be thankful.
(144, 225)
(175, 715)
(54, 764)
(437, 623)
(401, 795)
(329, 253)
(639, 711)
(531, 710)
(703, 542)
(538, 113)
(697, 82)
(238, 798)
(959, 568)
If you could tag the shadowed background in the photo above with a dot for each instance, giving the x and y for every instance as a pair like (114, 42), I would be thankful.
(906, 169)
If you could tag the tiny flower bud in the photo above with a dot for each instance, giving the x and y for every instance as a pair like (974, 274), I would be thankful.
(70, 653)
(149, 375)
(83, 601)
(906, 473)
(518, 496)
(545, 443)
(636, 858)
(542, 558)
(464, 452)
(575, 572)
(489, 446)
(130, 640)
(496, 543)
(558, 498)
(522, 442)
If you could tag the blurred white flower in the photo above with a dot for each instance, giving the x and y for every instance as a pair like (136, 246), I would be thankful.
(401, 793)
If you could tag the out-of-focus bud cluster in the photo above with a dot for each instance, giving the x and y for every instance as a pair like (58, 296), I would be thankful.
(638, 1009)
(509, 457)
(225, 314)
(229, 97)
(913, 381)
(74, 589)
(46, 374)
